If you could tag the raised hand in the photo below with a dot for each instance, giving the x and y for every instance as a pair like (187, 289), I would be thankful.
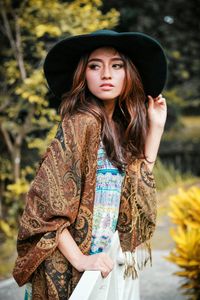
(157, 111)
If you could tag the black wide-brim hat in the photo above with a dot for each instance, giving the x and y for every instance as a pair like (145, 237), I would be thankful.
(146, 53)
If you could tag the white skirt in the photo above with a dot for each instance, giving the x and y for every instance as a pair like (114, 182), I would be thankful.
(114, 287)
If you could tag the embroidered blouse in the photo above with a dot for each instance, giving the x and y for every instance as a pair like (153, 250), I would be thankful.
(106, 204)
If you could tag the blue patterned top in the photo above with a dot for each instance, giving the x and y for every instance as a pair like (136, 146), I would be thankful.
(106, 204)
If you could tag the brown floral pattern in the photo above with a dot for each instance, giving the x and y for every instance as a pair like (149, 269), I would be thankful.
(62, 195)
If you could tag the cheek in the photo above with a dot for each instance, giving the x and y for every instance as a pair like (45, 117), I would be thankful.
(87, 76)
(121, 80)
(90, 79)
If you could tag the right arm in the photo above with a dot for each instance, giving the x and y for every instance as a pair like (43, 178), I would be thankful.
(96, 262)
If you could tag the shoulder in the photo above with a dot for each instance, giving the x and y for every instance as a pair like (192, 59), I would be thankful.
(75, 133)
(81, 129)
(82, 121)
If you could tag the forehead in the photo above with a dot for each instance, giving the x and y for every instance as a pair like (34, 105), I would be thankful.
(104, 51)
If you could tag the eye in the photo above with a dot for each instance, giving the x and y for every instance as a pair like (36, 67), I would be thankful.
(93, 66)
(118, 66)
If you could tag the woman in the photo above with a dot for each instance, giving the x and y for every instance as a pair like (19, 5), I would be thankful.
(95, 177)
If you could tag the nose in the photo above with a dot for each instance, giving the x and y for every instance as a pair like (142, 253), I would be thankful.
(106, 74)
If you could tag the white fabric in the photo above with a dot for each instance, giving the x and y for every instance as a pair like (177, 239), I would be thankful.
(114, 287)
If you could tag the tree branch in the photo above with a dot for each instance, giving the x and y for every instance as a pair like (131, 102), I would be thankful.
(2, 29)
(16, 45)
(7, 139)
(8, 31)
(19, 49)
(4, 105)
(22, 7)
(26, 128)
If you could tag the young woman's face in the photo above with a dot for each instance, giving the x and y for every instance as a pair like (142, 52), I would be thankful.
(105, 73)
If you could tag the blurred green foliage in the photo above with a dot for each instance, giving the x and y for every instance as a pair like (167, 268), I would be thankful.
(168, 176)
(7, 257)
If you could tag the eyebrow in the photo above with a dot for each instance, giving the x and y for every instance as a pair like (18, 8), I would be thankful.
(100, 60)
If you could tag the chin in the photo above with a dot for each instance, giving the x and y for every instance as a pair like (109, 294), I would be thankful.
(107, 97)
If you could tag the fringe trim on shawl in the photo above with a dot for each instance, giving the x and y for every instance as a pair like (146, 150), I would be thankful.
(137, 260)
(130, 266)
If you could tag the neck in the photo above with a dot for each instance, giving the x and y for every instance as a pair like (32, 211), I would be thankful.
(109, 108)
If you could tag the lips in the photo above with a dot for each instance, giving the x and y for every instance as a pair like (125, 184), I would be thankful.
(106, 85)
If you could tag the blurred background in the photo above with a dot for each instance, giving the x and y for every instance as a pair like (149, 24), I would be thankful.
(28, 29)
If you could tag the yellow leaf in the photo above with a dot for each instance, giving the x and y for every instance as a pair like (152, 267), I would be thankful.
(5, 228)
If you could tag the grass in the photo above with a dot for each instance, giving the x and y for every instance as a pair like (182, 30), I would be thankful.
(187, 131)
(168, 176)
(191, 121)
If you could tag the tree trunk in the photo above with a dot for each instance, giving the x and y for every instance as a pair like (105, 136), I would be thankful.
(16, 160)
(16, 157)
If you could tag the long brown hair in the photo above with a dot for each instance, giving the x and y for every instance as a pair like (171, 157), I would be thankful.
(127, 141)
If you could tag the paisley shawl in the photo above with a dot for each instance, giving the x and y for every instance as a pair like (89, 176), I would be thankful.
(62, 195)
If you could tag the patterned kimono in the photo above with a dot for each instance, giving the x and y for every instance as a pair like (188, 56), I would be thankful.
(62, 196)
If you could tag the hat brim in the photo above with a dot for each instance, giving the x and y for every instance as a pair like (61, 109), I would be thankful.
(145, 52)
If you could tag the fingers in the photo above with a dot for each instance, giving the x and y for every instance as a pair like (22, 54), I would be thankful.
(150, 102)
(105, 273)
(160, 99)
(156, 98)
(106, 264)
(99, 262)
